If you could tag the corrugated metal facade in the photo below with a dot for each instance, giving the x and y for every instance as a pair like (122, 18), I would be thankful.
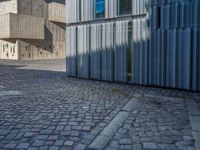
(158, 44)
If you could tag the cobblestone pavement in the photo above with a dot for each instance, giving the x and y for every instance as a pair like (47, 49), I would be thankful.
(45, 110)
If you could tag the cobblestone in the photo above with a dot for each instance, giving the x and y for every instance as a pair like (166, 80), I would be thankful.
(69, 143)
(41, 108)
(23, 146)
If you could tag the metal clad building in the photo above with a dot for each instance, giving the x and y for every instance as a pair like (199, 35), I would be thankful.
(145, 42)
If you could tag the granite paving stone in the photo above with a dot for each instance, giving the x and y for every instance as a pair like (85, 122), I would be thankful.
(23, 146)
(46, 110)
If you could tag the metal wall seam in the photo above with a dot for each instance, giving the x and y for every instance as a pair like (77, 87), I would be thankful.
(83, 51)
(134, 7)
(121, 51)
(107, 51)
(96, 51)
(171, 58)
(194, 57)
(185, 58)
(110, 8)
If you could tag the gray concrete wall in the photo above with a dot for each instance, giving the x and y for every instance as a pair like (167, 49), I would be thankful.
(38, 26)
(8, 6)
(53, 47)
(21, 26)
(56, 12)
(37, 8)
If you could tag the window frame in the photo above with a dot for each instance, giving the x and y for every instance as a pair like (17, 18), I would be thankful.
(102, 15)
(119, 8)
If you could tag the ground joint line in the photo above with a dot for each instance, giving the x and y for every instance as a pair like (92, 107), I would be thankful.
(109, 131)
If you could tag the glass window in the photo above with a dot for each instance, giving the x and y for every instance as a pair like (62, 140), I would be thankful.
(125, 7)
(159, 17)
(100, 8)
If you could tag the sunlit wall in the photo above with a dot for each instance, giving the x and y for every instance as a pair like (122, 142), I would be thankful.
(140, 41)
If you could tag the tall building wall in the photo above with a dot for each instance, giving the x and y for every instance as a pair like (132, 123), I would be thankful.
(35, 41)
(38, 8)
(151, 43)
(53, 47)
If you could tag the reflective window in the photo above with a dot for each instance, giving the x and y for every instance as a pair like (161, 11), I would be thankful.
(125, 7)
(100, 8)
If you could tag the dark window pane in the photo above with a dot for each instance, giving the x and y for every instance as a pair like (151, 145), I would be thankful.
(125, 7)
(100, 8)
(129, 54)
(159, 17)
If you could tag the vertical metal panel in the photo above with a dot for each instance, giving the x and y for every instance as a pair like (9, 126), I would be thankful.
(141, 7)
(71, 51)
(182, 15)
(87, 10)
(171, 58)
(185, 59)
(187, 13)
(146, 6)
(135, 53)
(121, 51)
(152, 73)
(83, 51)
(107, 51)
(134, 7)
(196, 13)
(195, 59)
(138, 7)
(175, 15)
(72, 11)
(145, 47)
(96, 50)
(158, 58)
(111, 8)
(197, 69)
(167, 16)
(153, 18)
(140, 52)
(163, 50)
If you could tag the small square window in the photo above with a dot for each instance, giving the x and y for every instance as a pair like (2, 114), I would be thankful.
(125, 7)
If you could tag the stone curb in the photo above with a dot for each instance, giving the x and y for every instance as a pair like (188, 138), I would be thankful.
(194, 115)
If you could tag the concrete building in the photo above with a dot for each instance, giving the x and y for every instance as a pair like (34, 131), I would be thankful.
(32, 29)
(144, 42)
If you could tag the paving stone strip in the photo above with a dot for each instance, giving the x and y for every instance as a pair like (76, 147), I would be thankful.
(109, 131)
(4, 93)
(194, 114)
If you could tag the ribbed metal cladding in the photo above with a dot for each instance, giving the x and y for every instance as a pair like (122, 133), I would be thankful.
(96, 51)
(140, 51)
(108, 51)
(71, 61)
(158, 44)
(121, 51)
(83, 53)
(174, 44)
(111, 8)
